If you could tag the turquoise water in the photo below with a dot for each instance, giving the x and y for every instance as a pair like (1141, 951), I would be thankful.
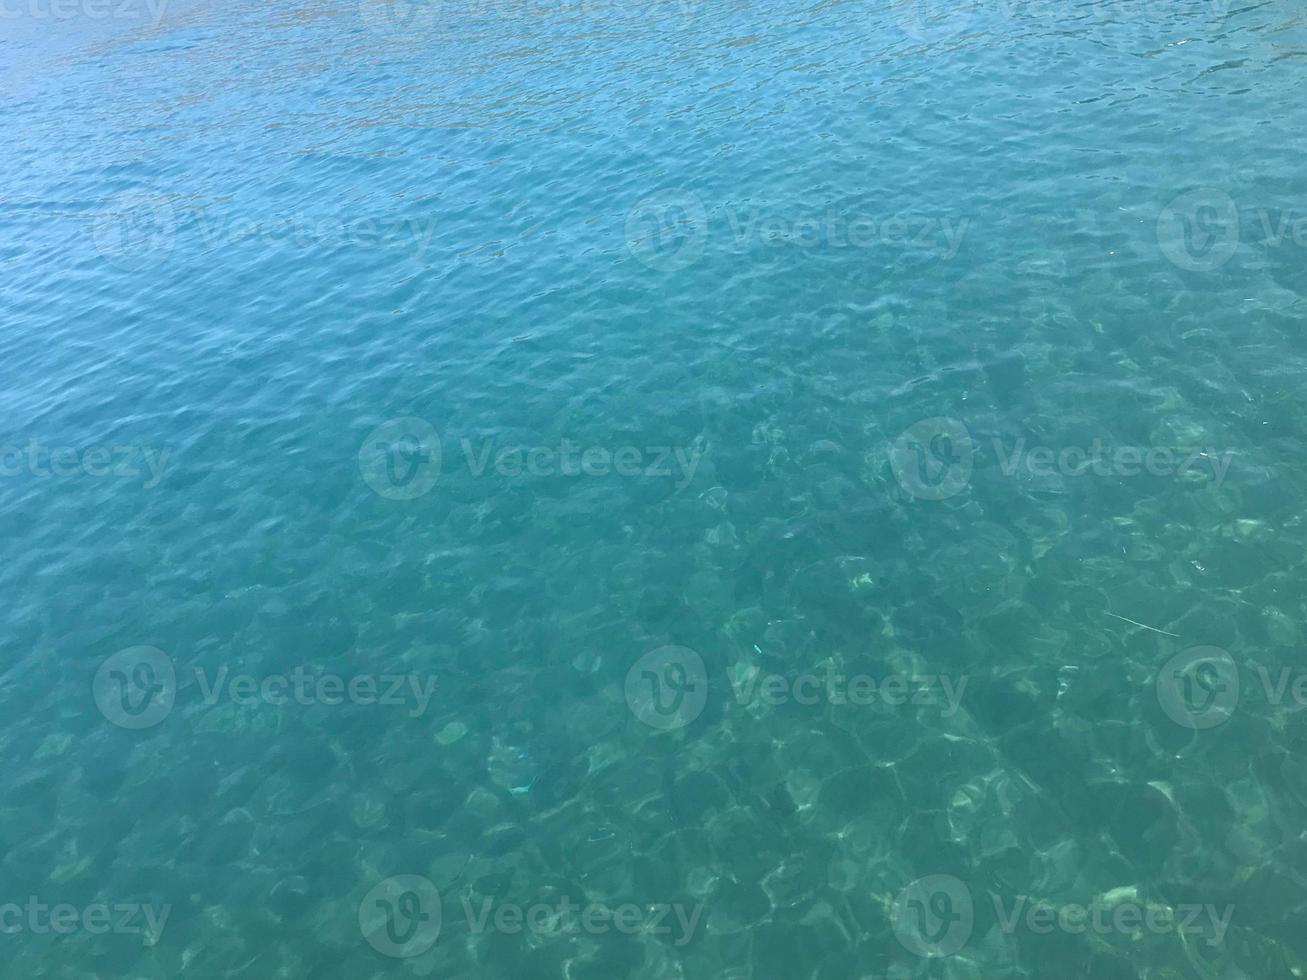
(587, 489)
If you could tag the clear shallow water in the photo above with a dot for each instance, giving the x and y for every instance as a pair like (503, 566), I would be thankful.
(849, 341)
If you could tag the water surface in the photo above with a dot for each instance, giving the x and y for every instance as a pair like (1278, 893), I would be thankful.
(771, 463)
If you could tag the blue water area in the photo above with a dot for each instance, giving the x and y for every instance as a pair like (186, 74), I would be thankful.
(596, 489)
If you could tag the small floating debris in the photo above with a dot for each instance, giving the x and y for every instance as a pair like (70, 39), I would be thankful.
(526, 788)
(451, 733)
(1134, 622)
(716, 497)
